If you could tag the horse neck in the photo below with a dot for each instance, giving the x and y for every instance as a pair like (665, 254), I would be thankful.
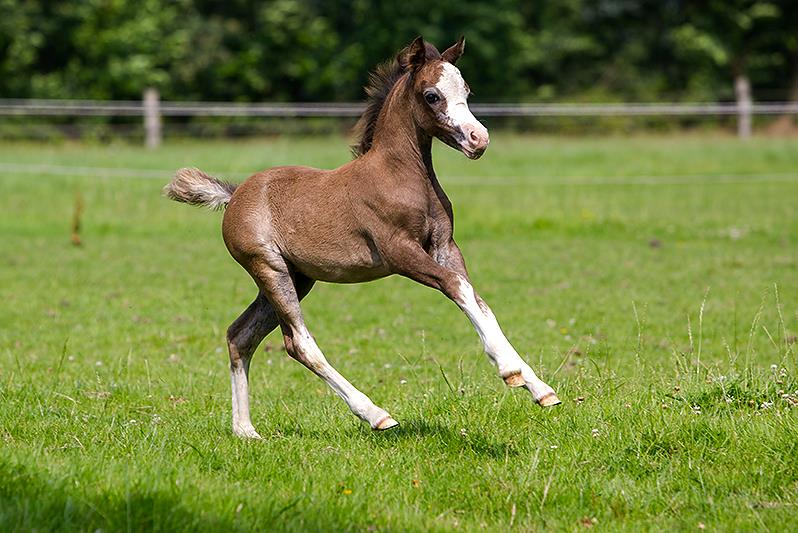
(399, 140)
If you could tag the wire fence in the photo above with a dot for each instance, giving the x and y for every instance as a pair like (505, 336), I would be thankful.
(152, 109)
(122, 172)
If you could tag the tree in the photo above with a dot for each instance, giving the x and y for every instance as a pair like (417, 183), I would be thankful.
(316, 50)
(736, 36)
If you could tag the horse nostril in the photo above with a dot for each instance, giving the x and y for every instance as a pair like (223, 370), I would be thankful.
(473, 136)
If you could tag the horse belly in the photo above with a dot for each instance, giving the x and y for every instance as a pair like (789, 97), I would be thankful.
(339, 263)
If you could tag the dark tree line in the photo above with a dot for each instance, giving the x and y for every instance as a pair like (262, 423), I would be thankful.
(315, 50)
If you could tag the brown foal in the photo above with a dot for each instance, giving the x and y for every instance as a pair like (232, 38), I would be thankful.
(382, 213)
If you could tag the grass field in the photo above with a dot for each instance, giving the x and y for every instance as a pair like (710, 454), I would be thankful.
(653, 282)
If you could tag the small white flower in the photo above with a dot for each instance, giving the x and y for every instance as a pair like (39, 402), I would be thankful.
(773, 368)
(98, 363)
(766, 405)
(553, 447)
(594, 432)
(696, 409)
(402, 381)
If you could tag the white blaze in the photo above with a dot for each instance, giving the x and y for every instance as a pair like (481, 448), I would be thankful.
(453, 87)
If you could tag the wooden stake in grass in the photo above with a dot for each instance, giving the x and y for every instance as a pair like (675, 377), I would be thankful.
(76, 214)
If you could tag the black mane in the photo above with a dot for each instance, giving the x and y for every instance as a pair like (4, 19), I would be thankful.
(381, 81)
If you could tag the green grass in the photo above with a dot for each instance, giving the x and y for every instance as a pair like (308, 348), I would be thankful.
(651, 281)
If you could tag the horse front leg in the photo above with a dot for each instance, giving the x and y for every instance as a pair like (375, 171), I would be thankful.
(448, 274)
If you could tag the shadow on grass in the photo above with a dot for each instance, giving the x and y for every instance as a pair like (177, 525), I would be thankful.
(472, 440)
(35, 501)
(431, 435)
(38, 501)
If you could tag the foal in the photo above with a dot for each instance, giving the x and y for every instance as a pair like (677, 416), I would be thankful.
(382, 213)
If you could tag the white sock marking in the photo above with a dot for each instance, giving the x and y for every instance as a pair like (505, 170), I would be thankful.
(242, 425)
(496, 345)
(360, 404)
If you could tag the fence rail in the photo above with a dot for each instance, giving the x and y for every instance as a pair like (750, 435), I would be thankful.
(151, 109)
(323, 109)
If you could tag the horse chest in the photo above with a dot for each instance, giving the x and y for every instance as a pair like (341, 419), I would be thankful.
(427, 224)
(439, 216)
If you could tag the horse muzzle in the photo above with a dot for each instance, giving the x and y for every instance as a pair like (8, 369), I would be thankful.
(475, 140)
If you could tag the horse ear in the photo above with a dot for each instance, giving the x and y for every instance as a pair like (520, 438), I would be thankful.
(414, 55)
(453, 53)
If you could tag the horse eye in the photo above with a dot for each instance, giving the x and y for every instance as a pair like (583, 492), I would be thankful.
(432, 98)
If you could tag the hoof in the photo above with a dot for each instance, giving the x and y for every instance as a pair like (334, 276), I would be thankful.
(548, 400)
(385, 423)
(247, 433)
(515, 380)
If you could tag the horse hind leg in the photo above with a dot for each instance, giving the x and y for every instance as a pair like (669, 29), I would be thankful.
(302, 347)
(243, 337)
(275, 278)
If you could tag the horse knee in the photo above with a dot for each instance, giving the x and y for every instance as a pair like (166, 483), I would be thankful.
(239, 346)
(455, 286)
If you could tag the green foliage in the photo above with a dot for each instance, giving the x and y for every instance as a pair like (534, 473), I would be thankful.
(741, 38)
(306, 50)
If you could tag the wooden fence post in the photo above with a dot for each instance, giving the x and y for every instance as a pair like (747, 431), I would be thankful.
(152, 117)
(742, 91)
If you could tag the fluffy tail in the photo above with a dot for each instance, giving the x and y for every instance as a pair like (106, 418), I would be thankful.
(193, 186)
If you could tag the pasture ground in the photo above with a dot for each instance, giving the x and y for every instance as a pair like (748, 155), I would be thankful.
(652, 281)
